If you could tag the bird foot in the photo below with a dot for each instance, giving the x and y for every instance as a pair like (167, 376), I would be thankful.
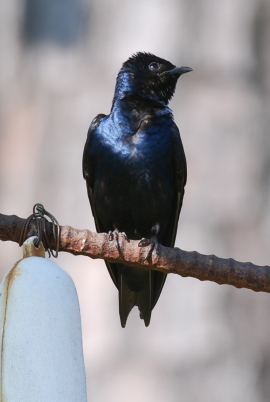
(152, 242)
(115, 235)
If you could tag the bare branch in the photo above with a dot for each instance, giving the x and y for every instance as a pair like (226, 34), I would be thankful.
(164, 259)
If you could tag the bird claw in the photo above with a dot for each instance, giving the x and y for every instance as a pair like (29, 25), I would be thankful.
(152, 242)
(144, 242)
(125, 236)
(113, 235)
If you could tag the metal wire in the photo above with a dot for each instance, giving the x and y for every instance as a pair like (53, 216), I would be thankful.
(39, 216)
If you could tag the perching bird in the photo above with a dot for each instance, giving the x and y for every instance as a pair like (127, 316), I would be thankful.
(135, 170)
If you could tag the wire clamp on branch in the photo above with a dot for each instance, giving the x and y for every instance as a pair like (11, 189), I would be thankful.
(41, 216)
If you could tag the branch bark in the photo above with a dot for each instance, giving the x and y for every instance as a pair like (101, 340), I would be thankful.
(164, 259)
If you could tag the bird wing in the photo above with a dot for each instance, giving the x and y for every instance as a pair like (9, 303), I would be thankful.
(180, 168)
(168, 239)
(88, 166)
(87, 162)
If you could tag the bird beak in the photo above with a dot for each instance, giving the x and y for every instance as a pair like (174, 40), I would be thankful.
(177, 71)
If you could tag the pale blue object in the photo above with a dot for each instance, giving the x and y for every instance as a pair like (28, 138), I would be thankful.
(40, 335)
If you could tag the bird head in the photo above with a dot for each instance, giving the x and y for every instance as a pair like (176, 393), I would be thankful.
(149, 76)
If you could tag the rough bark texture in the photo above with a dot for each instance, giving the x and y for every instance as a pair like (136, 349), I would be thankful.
(167, 260)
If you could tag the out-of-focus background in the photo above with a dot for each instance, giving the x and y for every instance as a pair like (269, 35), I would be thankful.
(58, 64)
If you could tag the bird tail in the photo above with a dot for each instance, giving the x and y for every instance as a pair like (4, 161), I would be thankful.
(143, 299)
(127, 300)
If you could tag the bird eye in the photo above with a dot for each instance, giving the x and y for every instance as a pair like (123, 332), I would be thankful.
(154, 66)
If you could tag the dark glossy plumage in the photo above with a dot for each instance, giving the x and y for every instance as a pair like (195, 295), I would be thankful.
(135, 169)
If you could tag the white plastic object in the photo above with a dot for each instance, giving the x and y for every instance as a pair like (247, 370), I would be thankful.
(40, 333)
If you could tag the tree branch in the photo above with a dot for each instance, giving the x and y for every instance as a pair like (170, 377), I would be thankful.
(164, 259)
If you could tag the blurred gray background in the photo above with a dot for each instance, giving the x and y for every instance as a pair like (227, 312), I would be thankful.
(58, 64)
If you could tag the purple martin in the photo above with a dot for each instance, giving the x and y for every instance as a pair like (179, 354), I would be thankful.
(135, 170)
